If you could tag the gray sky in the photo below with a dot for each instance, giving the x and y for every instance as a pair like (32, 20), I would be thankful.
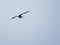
(41, 26)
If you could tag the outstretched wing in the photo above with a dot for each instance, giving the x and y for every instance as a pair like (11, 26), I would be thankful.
(13, 17)
(25, 12)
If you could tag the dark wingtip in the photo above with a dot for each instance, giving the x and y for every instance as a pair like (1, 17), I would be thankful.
(28, 11)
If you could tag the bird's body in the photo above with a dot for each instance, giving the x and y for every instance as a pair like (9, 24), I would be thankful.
(20, 16)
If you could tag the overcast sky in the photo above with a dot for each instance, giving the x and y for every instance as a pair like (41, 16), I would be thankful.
(41, 26)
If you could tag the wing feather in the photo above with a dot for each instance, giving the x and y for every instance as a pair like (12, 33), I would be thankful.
(13, 17)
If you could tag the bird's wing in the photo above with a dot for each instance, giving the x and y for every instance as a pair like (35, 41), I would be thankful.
(25, 12)
(13, 17)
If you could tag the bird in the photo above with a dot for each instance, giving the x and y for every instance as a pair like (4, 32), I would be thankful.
(20, 16)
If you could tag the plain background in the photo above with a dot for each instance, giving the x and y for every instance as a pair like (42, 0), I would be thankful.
(41, 26)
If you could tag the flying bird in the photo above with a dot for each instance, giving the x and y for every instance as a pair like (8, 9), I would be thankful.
(20, 16)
